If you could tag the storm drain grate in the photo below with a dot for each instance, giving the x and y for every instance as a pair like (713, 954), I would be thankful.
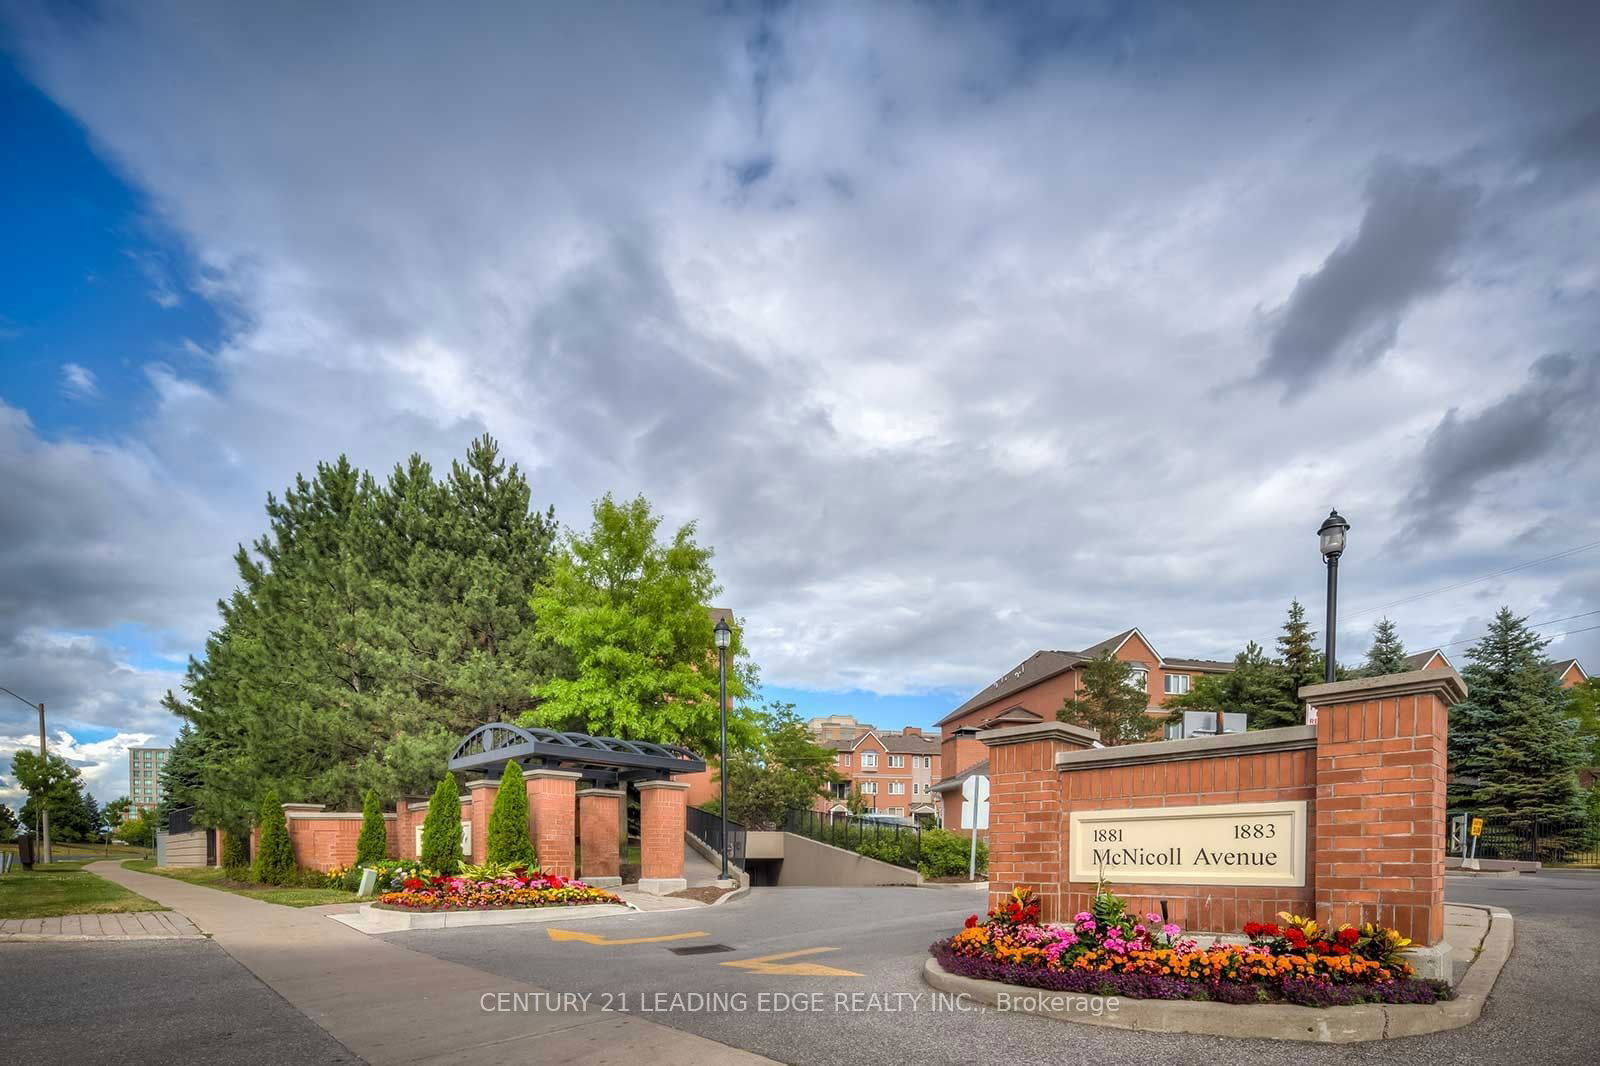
(700, 949)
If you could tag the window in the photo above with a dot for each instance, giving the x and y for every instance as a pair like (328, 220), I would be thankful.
(869, 760)
(1139, 677)
(897, 810)
(1177, 684)
(897, 762)
(927, 762)
(897, 788)
(869, 788)
(844, 758)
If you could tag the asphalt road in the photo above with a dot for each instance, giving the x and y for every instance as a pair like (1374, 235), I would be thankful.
(1547, 1002)
(128, 1003)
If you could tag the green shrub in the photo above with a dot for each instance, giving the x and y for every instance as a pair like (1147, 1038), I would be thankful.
(900, 849)
(236, 850)
(441, 830)
(275, 858)
(373, 843)
(508, 841)
(945, 854)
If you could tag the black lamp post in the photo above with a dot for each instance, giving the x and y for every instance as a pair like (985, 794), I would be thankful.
(724, 638)
(1332, 534)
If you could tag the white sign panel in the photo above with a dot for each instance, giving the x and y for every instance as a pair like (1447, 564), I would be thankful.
(466, 841)
(975, 808)
(1225, 844)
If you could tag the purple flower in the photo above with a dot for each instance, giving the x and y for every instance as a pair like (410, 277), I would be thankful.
(1170, 929)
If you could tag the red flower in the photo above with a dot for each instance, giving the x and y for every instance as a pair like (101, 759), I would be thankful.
(972, 921)
(1348, 936)
(1322, 946)
(411, 884)
(1340, 949)
(1253, 928)
(1295, 937)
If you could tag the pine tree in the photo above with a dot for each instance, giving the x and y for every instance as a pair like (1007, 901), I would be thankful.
(1511, 699)
(1531, 765)
(1387, 654)
(1301, 664)
(275, 854)
(441, 829)
(1112, 704)
(509, 841)
(373, 843)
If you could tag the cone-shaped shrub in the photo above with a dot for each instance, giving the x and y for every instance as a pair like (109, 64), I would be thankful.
(236, 850)
(441, 830)
(508, 822)
(275, 855)
(373, 843)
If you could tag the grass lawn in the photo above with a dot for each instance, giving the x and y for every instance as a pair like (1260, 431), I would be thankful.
(65, 888)
(216, 877)
(88, 852)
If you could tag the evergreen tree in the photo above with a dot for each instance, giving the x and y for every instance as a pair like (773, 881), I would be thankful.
(1506, 682)
(373, 843)
(236, 854)
(275, 854)
(8, 824)
(181, 773)
(1301, 664)
(441, 829)
(1530, 765)
(373, 624)
(113, 812)
(509, 840)
(630, 612)
(1111, 704)
(1387, 654)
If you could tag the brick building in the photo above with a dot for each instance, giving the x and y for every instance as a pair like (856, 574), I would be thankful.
(894, 771)
(1034, 691)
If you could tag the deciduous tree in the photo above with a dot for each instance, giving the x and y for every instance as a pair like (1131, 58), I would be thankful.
(784, 770)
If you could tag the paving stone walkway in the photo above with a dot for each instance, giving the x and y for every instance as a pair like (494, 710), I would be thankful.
(142, 925)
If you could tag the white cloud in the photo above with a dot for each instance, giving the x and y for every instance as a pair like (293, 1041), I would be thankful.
(935, 318)
(79, 382)
(103, 764)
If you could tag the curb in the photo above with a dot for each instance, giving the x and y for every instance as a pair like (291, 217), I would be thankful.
(1269, 1021)
(90, 938)
(739, 893)
(375, 922)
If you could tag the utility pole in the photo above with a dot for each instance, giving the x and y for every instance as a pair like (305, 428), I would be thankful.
(44, 812)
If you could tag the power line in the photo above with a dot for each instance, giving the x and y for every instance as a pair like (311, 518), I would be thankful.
(1475, 580)
(1552, 636)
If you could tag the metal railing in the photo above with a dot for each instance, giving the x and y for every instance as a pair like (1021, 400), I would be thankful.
(181, 820)
(707, 825)
(1554, 842)
(886, 841)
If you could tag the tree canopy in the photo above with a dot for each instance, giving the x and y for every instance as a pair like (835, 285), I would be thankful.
(1387, 655)
(1111, 704)
(784, 770)
(629, 611)
(56, 784)
(372, 625)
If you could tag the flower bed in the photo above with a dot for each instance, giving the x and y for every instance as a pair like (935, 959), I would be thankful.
(413, 888)
(1107, 951)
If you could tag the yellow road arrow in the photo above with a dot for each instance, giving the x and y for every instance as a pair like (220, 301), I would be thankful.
(591, 938)
(770, 964)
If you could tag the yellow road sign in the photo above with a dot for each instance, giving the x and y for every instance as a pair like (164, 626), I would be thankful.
(592, 938)
(772, 964)
(1477, 827)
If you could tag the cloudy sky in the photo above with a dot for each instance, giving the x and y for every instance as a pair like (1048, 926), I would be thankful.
(962, 329)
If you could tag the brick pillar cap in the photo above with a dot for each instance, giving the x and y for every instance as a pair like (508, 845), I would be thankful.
(487, 782)
(1076, 735)
(543, 774)
(676, 786)
(305, 806)
(600, 792)
(1441, 681)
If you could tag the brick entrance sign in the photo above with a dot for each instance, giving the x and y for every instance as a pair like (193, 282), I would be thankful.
(1344, 819)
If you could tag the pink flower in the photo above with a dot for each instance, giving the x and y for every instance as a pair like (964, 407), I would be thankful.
(1152, 918)
(1170, 929)
(1083, 916)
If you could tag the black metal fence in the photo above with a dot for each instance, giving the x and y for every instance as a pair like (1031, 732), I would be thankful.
(883, 840)
(708, 827)
(180, 820)
(1554, 842)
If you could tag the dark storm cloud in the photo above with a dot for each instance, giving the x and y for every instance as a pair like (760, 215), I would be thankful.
(1349, 311)
(1551, 417)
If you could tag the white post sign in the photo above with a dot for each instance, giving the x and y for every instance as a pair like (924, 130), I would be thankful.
(974, 815)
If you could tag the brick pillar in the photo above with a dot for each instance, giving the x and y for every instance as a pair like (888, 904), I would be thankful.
(1027, 814)
(482, 794)
(663, 820)
(552, 818)
(1381, 761)
(599, 820)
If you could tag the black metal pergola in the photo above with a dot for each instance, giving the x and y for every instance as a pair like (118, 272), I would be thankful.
(602, 761)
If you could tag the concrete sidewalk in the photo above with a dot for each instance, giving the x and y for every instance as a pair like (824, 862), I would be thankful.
(388, 1004)
(134, 925)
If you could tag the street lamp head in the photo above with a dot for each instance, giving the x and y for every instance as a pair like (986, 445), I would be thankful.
(724, 633)
(1331, 534)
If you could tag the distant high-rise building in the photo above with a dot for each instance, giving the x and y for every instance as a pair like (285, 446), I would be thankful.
(144, 776)
(830, 729)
